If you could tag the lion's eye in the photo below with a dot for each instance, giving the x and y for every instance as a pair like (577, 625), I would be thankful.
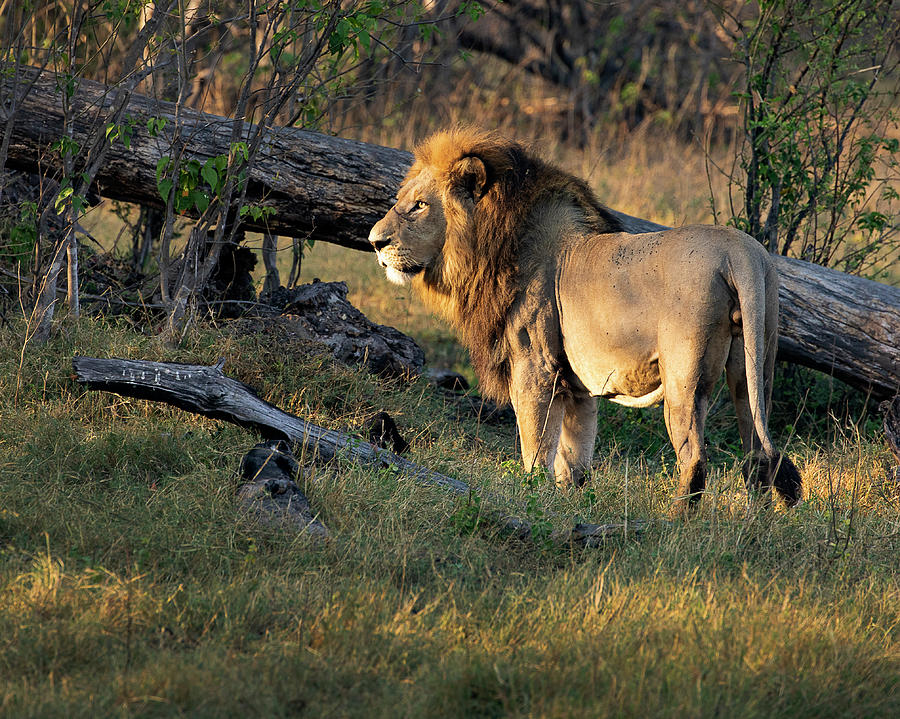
(420, 205)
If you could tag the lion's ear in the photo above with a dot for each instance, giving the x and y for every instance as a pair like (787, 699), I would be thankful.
(470, 177)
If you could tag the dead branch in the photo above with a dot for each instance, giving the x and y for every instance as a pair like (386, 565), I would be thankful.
(209, 392)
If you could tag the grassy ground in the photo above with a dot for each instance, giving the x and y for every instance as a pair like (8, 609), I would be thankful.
(129, 586)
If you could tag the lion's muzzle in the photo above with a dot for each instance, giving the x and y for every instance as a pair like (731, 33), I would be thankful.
(378, 240)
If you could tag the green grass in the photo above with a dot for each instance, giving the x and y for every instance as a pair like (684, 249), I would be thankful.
(129, 585)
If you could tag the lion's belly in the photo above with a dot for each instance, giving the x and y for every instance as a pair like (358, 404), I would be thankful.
(609, 333)
(613, 371)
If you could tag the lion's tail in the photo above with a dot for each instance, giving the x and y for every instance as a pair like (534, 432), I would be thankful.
(756, 284)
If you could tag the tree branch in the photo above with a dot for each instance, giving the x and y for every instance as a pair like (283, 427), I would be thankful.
(208, 392)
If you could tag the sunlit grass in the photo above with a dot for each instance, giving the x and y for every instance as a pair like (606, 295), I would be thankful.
(129, 585)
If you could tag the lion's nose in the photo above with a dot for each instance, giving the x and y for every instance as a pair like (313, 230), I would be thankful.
(379, 242)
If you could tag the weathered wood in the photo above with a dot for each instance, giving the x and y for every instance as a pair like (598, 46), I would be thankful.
(269, 493)
(320, 312)
(334, 190)
(844, 325)
(209, 392)
(321, 187)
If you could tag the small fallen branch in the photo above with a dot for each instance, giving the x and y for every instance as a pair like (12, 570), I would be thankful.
(209, 392)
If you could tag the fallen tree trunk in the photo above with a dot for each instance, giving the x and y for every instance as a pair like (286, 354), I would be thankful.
(320, 187)
(207, 391)
(334, 190)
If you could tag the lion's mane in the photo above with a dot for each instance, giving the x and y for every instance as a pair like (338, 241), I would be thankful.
(486, 259)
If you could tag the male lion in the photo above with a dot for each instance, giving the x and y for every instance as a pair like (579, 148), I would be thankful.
(558, 305)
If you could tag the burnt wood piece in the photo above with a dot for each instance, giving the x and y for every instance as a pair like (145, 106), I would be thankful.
(320, 311)
(332, 189)
(209, 392)
(447, 380)
(269, 493)
(381, 429)
(455, 389)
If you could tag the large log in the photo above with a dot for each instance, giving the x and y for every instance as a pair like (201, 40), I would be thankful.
(324, 188)
(209, 392)
(332, 189)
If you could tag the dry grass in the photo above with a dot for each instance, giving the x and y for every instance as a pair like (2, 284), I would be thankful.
(129, 586)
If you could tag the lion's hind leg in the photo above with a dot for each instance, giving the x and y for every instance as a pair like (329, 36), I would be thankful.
(690, 363)
(685, 419)
(684, 410)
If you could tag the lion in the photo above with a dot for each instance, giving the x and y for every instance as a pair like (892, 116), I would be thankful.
(558, 305)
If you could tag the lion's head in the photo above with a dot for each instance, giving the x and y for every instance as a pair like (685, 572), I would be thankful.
(454, 182)
(409, 239)
(457, 226)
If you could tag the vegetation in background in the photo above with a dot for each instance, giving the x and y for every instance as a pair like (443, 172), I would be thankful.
(283, 62)
(820, 153)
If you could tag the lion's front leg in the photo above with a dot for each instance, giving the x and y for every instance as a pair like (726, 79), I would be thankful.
(539, 409)
(576, 443)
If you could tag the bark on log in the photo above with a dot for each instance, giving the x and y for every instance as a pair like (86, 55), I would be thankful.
(333, 190)
(321, 187)
(209, 392)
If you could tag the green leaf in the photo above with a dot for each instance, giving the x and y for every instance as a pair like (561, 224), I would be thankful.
(161, 165)
(365, 39)
(210, 175)
(165, 187)
(337, 41)
(201, 200)
(60, 203)
(240, 150)
(873, 221)
(192, 170)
